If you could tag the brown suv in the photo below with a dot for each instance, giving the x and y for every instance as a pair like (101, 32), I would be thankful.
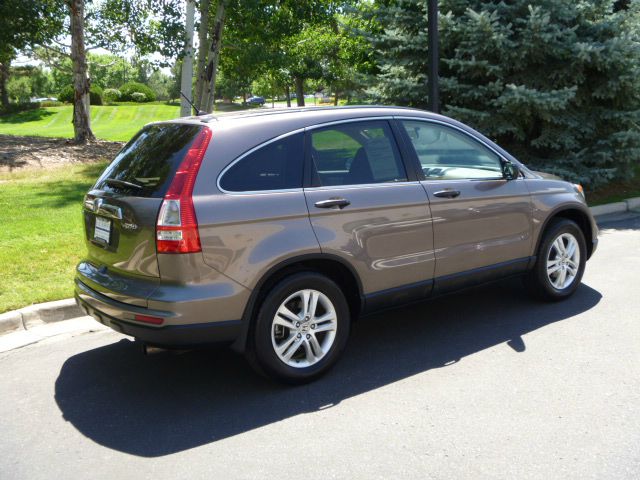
(274, 231)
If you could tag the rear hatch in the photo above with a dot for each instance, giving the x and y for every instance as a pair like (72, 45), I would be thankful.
(121, 211)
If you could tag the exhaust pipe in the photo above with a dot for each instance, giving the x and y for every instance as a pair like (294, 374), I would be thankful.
(150, 350)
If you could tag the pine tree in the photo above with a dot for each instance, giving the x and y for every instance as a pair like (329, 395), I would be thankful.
(556, 82)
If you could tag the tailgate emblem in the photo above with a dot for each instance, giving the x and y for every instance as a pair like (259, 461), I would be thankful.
(129, 226)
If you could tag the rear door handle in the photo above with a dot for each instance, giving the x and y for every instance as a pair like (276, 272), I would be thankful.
(333, 202)
(447, 193)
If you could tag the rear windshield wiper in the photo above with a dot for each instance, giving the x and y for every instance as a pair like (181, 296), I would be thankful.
(122, 183)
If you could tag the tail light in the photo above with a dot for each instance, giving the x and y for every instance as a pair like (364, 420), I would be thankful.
(177, 226)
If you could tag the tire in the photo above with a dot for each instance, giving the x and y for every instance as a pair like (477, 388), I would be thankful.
(560, 234)
(293, 348)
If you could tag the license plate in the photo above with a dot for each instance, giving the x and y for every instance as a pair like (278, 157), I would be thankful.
(103, 229)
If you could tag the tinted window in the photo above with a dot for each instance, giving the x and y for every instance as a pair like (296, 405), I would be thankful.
(355, 153)
(276, 166)
(448, 155)
(149, 160)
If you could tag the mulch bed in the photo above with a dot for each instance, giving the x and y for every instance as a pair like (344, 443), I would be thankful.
(19, 153)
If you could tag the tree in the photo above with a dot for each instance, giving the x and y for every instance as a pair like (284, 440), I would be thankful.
(19, 89)
(29, 81)
(160, 84)
(187, 62)
(117, 25)
(558, 83)
(25, 24)
(81, 102)
(208, 59)
(247, 37)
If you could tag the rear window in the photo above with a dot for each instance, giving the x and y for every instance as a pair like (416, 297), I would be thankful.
(146, 165)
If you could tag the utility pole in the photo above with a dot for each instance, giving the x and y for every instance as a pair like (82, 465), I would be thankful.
(434, 54)
(187, 61)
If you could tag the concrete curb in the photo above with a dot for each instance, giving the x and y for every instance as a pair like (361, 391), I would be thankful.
(34, 315)
(630, 204)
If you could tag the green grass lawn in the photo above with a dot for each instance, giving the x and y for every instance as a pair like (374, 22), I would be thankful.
(108, 122)
(42, 233)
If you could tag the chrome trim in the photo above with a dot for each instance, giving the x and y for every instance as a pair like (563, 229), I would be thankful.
(354, 186)
(110, 211)
(98, 207)
(249, 152)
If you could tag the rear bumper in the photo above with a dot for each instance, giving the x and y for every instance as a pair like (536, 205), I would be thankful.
(120, 317)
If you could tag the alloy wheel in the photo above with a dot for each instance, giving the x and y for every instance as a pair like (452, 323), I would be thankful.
(563, 261)
(304, 328)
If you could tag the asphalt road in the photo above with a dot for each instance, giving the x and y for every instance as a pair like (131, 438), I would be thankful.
(483, 384)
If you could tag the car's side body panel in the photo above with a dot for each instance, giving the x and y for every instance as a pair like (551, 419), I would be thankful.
(243, 236)
(487, 224)
(551, 197)
(385, 233)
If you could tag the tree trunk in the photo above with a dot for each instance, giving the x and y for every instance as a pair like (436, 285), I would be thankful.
(202, 52)
(208, 97)
(300, 91)
(81, 113)
(288, 97)
(187, 62)
(335, 99)
(4, 78)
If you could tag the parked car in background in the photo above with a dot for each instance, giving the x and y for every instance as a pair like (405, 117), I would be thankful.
(256, 100)
(273, 231)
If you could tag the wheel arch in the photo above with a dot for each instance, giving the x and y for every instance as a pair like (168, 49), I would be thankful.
(332, 266)
(575, 214)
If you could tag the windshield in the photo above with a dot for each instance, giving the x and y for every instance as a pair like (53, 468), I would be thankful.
(146, 165)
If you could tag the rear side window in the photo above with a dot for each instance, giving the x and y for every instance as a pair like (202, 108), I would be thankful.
(146, 165)
(355, 153)
(276, 166)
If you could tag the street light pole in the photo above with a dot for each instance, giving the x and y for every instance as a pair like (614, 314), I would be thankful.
(434, 94)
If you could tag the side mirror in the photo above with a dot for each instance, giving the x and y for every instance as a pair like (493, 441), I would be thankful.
(510, 171)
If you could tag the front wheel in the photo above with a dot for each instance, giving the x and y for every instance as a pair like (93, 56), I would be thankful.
(560, 262)
(301, 328)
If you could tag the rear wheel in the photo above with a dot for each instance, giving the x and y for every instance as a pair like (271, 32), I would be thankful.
(560, 262)
(301, 328)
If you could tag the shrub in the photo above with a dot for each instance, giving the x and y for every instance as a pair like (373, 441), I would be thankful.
(111, 95)
(128, 89)
(138, 97)
(50, 103)
(18, 107)
(95, 95)
(67, 94)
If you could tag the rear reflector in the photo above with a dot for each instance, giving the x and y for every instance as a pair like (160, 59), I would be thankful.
(177, 226)
(149, 319)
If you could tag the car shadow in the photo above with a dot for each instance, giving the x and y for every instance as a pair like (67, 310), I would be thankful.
(167, 403)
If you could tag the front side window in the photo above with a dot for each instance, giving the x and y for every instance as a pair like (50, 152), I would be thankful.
(355, 153)
(446, 154)
(276, 166)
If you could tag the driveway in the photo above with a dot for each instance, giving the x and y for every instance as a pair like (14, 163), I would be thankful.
(483, 384)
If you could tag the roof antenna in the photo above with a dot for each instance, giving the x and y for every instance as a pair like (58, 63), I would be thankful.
(197, 112)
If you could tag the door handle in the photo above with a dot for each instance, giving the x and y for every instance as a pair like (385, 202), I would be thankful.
(333, 202)
(447, 193)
